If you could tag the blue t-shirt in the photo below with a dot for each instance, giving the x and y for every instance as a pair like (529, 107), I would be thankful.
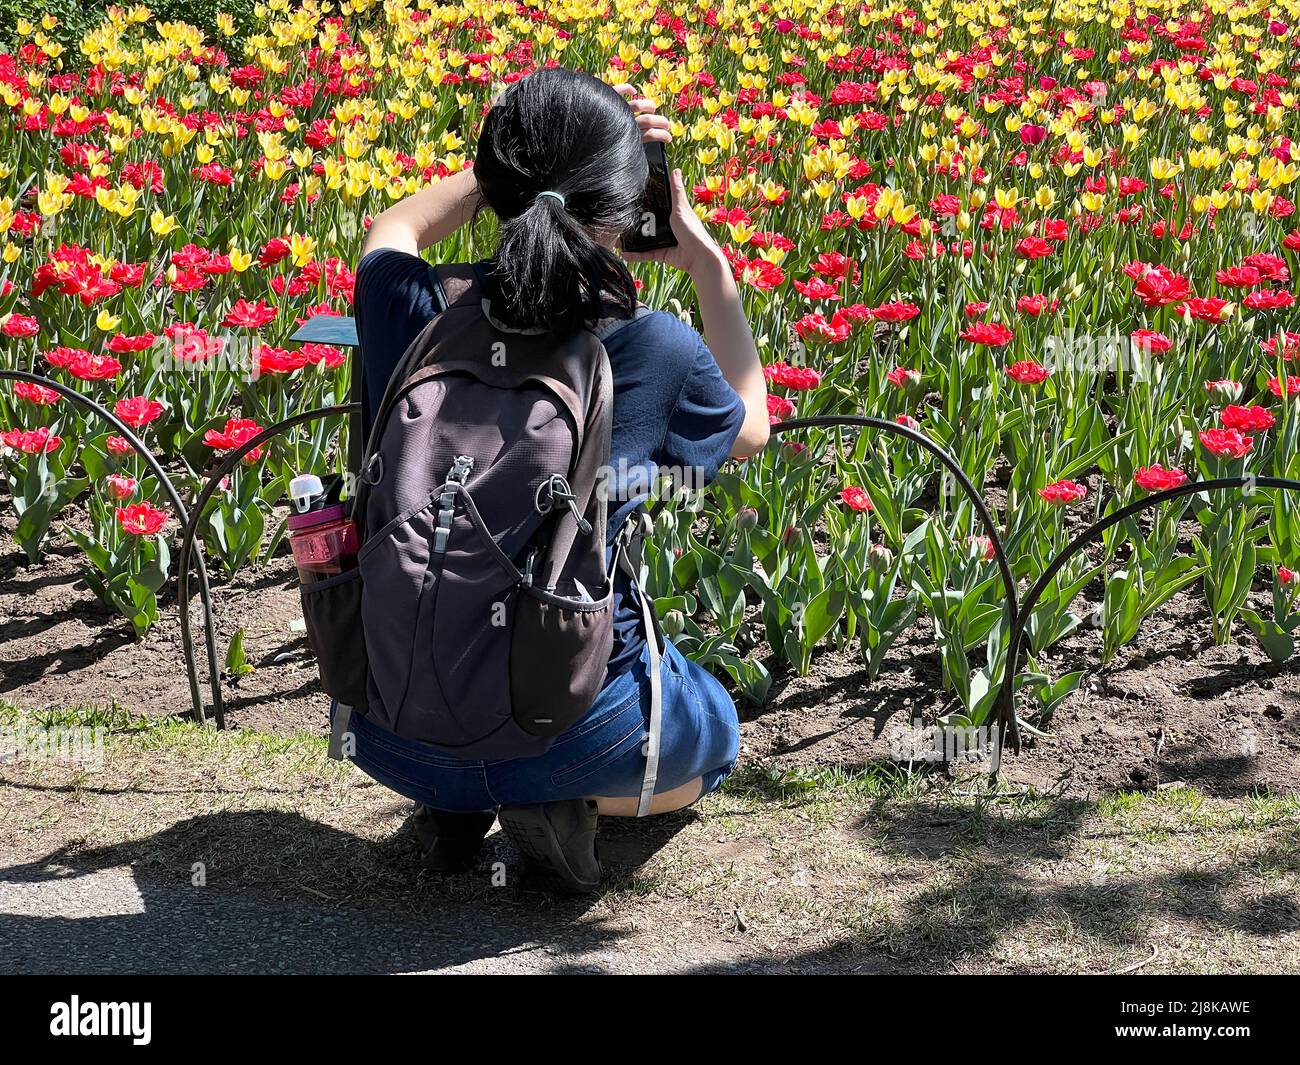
(673, 409)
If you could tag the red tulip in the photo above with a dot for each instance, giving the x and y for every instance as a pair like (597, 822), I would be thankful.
(1247, 419)
(1028, 372)
(122, 344)
(902, 377)
(1036, 305)
(855, 499)
(120, 487)
(795, 378)
(31, 441)
(1158, 479)
(895, 312)
(279, 360)
(19, 325)
(1269, 299)
(137, 411)
(1150, 342)
(34, 393)
(1034, 248)
(141, 519)
(988, 334)
(331, 356)
(1290, 347)
(1207, 309)
(1226, 443)
(778, 408)
(1238, 277)
(1158, 286)
(1063, 493)
(249, 315)
(1270, 267)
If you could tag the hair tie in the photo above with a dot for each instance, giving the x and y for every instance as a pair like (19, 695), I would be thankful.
(552, 195)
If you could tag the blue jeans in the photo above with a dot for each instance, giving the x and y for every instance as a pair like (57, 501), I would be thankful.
(599, 756)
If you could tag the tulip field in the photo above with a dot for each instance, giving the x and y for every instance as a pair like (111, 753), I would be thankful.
(1059, 240)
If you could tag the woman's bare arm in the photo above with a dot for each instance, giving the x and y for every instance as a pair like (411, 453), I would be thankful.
(426, 217)
(725, 327)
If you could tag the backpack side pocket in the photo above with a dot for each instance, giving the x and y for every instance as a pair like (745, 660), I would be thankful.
(559, 653)
(331, 610)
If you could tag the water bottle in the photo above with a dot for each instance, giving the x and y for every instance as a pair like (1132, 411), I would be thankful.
(321, 535)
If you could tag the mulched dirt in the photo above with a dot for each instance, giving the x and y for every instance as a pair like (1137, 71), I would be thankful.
(59, 646)
(1172, 707)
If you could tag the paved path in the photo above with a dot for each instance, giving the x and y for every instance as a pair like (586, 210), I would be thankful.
(108, 921)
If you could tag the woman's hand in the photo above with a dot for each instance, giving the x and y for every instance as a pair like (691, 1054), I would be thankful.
(654, 127)
(696, 251)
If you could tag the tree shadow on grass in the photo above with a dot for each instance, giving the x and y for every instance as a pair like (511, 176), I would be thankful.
(995, 884)
(284, 893)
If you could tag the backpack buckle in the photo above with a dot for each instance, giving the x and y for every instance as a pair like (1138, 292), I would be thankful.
(460, 469)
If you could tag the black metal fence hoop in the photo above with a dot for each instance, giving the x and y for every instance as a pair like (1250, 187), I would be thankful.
(229, 461)
(182, 515)
(1007, 724)
(1090, 535)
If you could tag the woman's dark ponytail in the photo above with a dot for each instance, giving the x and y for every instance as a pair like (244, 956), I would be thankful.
(571, 136)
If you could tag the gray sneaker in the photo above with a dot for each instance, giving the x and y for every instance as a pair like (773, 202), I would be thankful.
(558, 836)
(450, 841)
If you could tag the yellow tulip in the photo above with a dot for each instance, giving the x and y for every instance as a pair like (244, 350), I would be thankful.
(301, 248)
(160, 223)
(1164, 169)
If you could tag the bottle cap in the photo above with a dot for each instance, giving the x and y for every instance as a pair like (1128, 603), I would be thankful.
(304, 490)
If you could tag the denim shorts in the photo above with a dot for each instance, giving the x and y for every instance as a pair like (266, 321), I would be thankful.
(599, 756)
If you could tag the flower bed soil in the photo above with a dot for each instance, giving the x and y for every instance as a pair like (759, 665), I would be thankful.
(1173, 707)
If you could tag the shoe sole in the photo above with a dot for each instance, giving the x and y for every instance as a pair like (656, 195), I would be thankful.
(534, 837)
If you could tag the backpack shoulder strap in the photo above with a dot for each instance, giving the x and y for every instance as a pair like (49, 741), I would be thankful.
(453, 278)
(357, 436)
(627, 560)
(607, 327)
(456, 281)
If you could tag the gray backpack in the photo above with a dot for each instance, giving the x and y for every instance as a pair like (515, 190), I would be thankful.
(482, 587)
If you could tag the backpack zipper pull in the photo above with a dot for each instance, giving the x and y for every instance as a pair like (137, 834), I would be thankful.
(557, 488)
(584, 526)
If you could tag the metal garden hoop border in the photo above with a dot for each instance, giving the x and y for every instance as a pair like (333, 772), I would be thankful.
(1018, 612)
(229, 461)
(1007, 725)
(1015, 639)
(182, 515)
